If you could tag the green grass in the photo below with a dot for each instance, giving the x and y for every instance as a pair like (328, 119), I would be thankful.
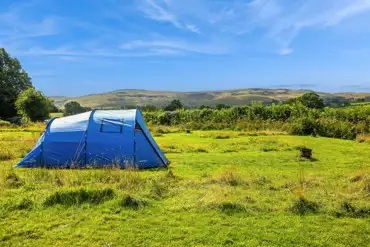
(223, 188)
(56, 114)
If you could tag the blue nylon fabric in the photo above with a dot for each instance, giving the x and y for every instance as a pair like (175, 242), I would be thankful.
(140, 121)
(97, 138)
(146, 156)
(33, 158)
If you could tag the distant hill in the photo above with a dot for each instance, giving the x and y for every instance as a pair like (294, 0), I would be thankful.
(120, 98)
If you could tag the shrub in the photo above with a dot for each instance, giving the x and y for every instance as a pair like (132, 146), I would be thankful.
(4, 123)
(33, 105)
(303, 126)
(296, 119)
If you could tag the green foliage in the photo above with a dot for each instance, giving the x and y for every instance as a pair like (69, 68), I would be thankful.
(4, 123)
(296, 119)
(33, 105)
(312, 100)
(204, 107)
(221, 106)
(73, 107)
(148, 108)
(174, 105)
(13, 81)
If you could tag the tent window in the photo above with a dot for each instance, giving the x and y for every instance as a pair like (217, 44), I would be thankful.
(111, 125)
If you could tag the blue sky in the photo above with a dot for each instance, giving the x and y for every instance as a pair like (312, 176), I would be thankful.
(80, 47)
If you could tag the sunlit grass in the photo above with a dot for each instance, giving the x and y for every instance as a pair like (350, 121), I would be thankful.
(222, 188)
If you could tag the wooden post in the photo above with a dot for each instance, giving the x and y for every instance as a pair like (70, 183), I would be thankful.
(306, 153)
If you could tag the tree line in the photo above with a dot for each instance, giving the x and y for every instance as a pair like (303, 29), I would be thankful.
(303, 115)
(20, 101)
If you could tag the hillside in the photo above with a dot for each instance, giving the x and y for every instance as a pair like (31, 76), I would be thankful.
(119, 98)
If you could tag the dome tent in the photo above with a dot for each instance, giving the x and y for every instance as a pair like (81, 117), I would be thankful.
(98, 138)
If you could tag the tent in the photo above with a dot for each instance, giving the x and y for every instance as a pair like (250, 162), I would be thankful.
(96, 139)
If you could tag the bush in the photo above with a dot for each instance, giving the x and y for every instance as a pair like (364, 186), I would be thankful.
(4, 123)
(73, 107)
(296, 119)
(303, 126)
(33, 105)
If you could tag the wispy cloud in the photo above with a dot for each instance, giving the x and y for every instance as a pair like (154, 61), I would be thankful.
(283, 22)
(201, 27)
(285, 51)
(175, 46)
(14, 25)
(159, 10)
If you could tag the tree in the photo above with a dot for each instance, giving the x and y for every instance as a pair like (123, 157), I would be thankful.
(312, 100)
(201, 107)
(174, 105)
(73, 107)
(13, 81)
(54, 108)
(33, 105)
(221, 106)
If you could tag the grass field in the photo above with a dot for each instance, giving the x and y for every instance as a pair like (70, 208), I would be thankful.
(223, 188)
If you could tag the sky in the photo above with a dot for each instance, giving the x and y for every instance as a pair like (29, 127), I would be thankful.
(73, 48)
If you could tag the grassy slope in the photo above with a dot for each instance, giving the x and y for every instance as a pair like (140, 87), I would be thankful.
(160, 98)
(229, 188)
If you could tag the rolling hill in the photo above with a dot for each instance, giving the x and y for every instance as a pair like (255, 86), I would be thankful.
(129, 97)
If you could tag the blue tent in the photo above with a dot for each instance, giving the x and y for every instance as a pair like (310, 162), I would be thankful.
(97, 138)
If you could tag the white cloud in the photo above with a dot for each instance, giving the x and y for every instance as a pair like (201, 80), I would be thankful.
(285, 51)
(202, 48)
(356, 7)
(193, 28)
(155, 11)
(15, 24)
(221, 27)
(159, 10)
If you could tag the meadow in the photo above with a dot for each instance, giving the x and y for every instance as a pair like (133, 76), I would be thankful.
(222, 188)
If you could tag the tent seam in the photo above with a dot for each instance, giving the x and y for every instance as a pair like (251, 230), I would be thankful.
(42, 143)
(87, 129)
